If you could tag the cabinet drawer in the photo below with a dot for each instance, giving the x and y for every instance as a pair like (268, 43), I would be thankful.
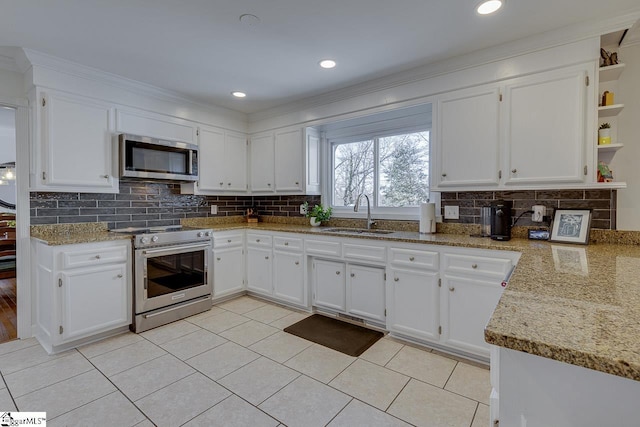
(290, 243)
(497, 267)
(259, 240)
(413, 258)
(362, 252)
(320, 247)
(227, 240)
(97, 256)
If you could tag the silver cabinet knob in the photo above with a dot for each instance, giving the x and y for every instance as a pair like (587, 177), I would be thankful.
(338, 273)
(452, 288)
(97, 257)
(474, 266)
(266, 257)
(286, 243)
(297, 262)
(444, 175)
(514, 170)
(105, 176)
(296, 182)
(395, 279)
(222, 183)
(257, 240)
(353, 275)
(268, 184)
(228, 240)
(120, 276)
(218, 258)
(411, 258)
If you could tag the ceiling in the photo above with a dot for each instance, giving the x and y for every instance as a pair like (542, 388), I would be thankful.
(200, 49)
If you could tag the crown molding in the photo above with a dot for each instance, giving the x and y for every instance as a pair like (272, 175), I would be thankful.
(46, 61)
(633, 36)
(547, 40)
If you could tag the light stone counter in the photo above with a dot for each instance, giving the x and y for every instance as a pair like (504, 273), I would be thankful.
(575, 304)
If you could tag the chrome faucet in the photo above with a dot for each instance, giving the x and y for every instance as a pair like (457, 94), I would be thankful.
(370, 222)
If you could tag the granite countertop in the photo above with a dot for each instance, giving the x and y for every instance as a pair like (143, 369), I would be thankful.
(575, 304)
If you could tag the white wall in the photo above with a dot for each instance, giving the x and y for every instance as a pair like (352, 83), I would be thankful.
(626, 163)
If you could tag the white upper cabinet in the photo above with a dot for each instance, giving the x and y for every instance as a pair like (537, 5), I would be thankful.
(468, 128)
(286, 162)
(262, 163)
(74, 144)
(289, 161)
(154, 125)
(223, 160)
(545, 127)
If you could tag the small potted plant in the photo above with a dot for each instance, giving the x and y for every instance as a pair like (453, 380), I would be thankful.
(317, 214)
(604, 134)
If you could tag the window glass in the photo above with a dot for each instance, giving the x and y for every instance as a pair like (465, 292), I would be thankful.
(353, 171)
(403, 172)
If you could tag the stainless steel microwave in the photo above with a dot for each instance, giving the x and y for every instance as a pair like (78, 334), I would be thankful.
(151, 158)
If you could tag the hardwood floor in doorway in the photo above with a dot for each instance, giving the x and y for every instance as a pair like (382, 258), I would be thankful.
(8, 316)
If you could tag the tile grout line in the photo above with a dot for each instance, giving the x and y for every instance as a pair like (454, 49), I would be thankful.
(450, 375)
(9, 391)
(474, 414)
(341, 409)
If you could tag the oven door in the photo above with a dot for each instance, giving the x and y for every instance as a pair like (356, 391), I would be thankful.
(170, 275)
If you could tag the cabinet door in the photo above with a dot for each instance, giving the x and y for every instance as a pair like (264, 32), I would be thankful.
(76, 143)
(412, 301)
(235, 158)
(228, 271)
(467, 305)
(545, 127)
(467, 138)
(329, 284)
(212, 161)
(94, 300)
(259, 269)
(288, 277)
(262, 163)
(289, 161)
(365, 292)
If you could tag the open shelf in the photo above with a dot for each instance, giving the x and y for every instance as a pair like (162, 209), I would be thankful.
(609, 148)
(610, 73)
(610, 110)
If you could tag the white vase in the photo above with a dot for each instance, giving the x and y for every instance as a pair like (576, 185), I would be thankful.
(314, 221)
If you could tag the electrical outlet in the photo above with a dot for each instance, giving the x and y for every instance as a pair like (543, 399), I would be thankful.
(539, 213)
(303, 210)
(452, 212)
(214, 209)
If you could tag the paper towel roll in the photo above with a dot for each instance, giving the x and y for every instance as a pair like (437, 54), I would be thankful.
(427, 218)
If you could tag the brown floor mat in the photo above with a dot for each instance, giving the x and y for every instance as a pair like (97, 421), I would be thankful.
(341, 336)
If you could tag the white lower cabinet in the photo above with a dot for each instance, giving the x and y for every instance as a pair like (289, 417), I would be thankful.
(467, 304)
(288, 277)
(82, 291)
(228, 271)
(413, 303)
(328, 282)
(259, 270)
(357, 290)
(365, 292)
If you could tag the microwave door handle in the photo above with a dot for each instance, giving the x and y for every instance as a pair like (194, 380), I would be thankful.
(190, 162)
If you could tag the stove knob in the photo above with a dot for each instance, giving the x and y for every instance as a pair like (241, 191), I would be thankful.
(200, 234)
(144, 240)
(154, 239)
(208, 234)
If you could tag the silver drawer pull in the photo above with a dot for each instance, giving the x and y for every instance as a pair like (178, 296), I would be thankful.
(297, 262)
(218, 258)
(228, 240)
(514, 170)
(222, 183)
(474, 266)
(257, 240)
(97, 257)
(411, 258)
(286, 243)
(395, 279)
(119, 276)
(105, 176)
(452, 289)
(338, 273)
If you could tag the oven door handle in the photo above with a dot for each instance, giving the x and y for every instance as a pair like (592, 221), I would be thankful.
(175, 249)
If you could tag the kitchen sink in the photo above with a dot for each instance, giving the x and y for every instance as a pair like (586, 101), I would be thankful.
(357, 231)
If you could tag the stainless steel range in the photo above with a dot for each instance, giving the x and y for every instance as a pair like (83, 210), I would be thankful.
(171, 274)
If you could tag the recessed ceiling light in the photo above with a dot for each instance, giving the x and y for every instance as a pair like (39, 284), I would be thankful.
(489, 6)
(238, 94)
(327, 63)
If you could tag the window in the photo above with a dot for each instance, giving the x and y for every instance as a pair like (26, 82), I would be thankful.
(393, 170)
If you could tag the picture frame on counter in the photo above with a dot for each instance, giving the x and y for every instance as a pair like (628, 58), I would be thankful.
(571, 226)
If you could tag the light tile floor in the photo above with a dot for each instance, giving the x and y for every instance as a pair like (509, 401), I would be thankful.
(233, 366)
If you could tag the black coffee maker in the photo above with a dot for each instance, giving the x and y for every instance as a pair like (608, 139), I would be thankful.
(501, 220)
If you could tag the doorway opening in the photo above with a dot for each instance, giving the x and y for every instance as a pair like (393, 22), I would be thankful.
(8, 221)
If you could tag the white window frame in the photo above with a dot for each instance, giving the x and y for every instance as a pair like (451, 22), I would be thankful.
(377, 212)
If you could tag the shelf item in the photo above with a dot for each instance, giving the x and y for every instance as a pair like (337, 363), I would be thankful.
(609, 148)
(611, 72)
(610, 110)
